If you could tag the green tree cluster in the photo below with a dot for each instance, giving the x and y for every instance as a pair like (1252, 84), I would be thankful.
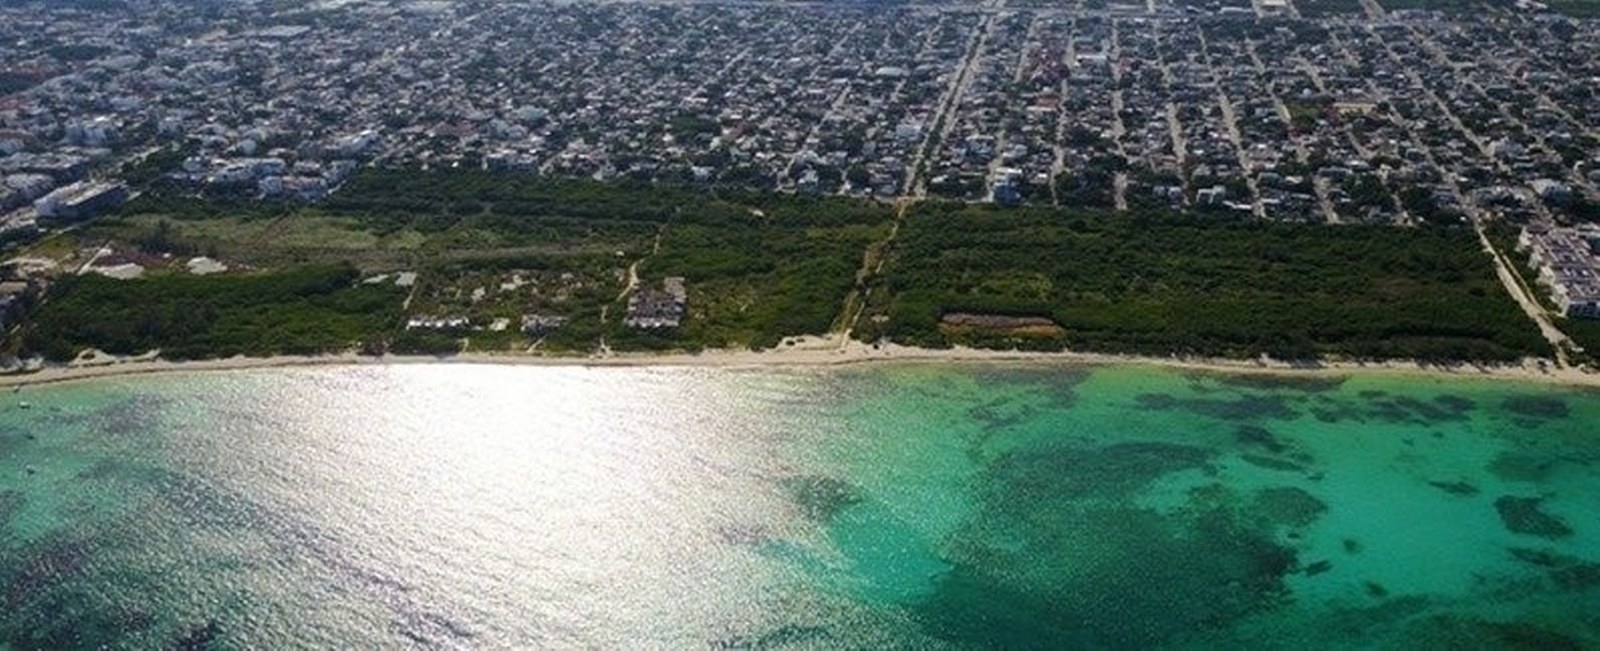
(302, 311)
(1160, 285)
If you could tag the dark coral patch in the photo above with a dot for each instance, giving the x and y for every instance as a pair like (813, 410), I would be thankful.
(1054, 388)
(1430, 411)
(1389, 411)
(1057, 556)
(1383, 406)
(198, 638)
(36, 574)
(1580, 576)
(1241, 408)
(1259, 437)
(1457, 632)
(786, 636)
(1066, 472)
(821, 498)
(1521, 466)
(1335, 414)
(1455, 404)
(1082, 579)
(1288, 506)
(1279, 381)
(1000, 414)
(1541, 557)
(1522, 515)
(1540, 407)
(1566, 572)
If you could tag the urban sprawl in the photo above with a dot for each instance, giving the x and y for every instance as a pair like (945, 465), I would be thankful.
(1327, 111)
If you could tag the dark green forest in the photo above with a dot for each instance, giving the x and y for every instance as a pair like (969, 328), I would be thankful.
(1162, 285)
(298, 312)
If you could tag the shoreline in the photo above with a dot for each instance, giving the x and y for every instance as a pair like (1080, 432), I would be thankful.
(805, 352)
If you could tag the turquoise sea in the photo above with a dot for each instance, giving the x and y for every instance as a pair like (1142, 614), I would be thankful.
(874, 507)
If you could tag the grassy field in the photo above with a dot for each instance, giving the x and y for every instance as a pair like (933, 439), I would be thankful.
(271, 242)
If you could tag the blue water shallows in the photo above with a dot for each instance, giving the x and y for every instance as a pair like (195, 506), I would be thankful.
(912, 506)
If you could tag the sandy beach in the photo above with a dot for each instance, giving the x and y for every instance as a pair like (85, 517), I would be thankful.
(803, 351)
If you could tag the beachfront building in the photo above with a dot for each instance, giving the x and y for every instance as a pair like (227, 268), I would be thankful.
(438, 323)
(81, 201)
(1568, 265)
(541, 324)
(650, 309)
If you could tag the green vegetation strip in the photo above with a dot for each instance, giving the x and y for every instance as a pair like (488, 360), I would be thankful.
(1586, 334)
(759, 267)
(304, 311)
(493, 248)
(1178, 285)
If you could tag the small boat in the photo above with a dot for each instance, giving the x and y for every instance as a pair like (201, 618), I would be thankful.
(25, 405)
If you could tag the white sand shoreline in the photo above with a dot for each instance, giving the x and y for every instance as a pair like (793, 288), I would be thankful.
(812, 352)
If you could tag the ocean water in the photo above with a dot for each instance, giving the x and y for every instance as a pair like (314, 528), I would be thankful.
(881, 507)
